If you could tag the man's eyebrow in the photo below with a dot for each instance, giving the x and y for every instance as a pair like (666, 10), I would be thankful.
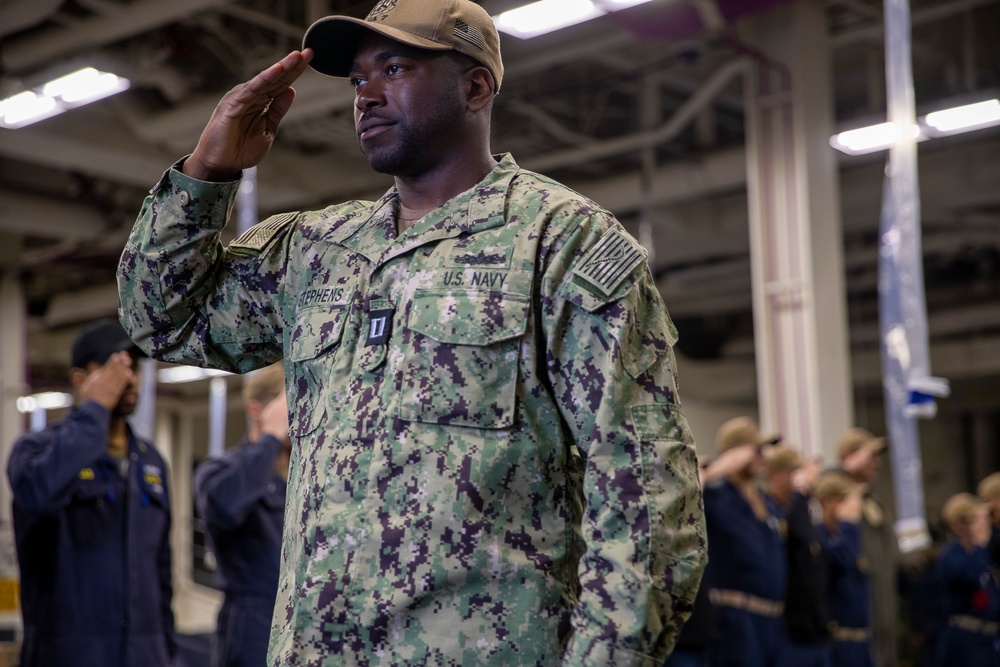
(389, 54)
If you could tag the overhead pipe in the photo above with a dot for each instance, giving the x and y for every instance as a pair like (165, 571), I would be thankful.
(22, 55)
(721, 78)
(22, 14)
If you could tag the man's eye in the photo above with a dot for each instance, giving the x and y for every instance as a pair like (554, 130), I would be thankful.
(356, 81)
(393, 69)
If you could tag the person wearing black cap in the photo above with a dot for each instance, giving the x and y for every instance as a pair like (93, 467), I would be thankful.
(92, 521)
(490, 464)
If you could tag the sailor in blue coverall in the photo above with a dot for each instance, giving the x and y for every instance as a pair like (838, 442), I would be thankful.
(968, 580)
(848, 595)
(747, 555)
(91, 523)
(241, 495)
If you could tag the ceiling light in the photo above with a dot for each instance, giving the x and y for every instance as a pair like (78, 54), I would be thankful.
(964, 118)
(869, 139)
(544, 16)
(878, 137)
(47, 400)
(67, 92)
(187, 374)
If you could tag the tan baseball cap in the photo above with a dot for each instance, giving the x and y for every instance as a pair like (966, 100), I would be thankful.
(782, 457)
(961, 508)
(436, 25)
(856, 438)
(989, 488)
(833, 486)
(741, 431)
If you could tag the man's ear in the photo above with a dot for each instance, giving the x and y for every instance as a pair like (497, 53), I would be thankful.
(479, 88)
(76, 377)
(253, 409)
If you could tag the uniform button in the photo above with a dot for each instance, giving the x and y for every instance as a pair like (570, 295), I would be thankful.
(185, 198)
(134, 456)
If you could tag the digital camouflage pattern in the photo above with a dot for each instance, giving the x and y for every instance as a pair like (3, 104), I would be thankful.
(490, 465)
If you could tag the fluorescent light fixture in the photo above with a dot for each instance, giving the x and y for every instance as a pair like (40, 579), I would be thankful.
(179, 374)
(47, 400)
(869, 139)
(544, 16)
(964, 118)
(53, 98)
(878, 137)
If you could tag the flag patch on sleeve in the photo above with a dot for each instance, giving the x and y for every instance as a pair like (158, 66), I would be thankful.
(610, 261)
(254, 240)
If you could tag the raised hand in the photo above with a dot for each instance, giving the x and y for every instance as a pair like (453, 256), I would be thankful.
(242, 128)
(274, 419)
(108, 382)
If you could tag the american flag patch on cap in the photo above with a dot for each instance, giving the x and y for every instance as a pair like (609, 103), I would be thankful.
(469, 34)
(610, 261)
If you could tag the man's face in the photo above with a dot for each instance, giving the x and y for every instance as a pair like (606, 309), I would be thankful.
(130, 395)
(407, 105)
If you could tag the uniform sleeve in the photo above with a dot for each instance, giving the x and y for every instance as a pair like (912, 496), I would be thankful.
(961, 570)
(611, 366)
(228, 486)
(185, 298)
(42, 466)
(842, 548)
(165, 573)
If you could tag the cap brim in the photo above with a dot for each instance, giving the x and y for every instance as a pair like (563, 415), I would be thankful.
(878, 445)
(334, 41)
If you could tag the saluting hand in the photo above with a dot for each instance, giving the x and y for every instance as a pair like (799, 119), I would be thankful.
(108, 382)
(274, 419)
(243, 125)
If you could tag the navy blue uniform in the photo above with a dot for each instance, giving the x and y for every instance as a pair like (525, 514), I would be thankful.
(748, 579)
(972, 601)
(242, 498)
(807, 616)
(848, 595)
(92, 535)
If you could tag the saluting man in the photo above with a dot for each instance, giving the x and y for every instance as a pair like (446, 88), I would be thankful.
(92, 523)
(490, 465)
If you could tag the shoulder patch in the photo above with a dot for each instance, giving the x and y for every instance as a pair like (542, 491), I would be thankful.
(253, 241)
(610, 261)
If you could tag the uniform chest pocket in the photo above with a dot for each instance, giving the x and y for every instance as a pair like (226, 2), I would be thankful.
(312, 353)
(91, 515)
(462, 350)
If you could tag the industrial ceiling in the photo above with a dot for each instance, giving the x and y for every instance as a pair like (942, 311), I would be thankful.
(574, 105)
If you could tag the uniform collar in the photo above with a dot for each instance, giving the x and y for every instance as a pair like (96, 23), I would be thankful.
(478, 208)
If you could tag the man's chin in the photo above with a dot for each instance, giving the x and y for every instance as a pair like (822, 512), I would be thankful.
(124, 408)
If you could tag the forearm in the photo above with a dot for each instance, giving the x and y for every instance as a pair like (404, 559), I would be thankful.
(228, 486)
(184, 298)
(42, 467)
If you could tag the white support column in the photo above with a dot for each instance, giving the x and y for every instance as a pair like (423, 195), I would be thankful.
(12, 384)
(796, 238)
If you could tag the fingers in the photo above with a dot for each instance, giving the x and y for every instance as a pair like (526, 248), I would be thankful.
(274, 418)
(107, 383)
(275, 79)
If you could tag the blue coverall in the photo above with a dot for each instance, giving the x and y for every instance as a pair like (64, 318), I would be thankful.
(848, 595)
(748, 564)
(242, 499)
(972, 600)
(92, 535)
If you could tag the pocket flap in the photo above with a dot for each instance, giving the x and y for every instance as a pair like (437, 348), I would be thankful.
(469, 317)
(316, 331)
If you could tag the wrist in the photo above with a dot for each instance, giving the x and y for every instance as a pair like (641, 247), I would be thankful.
(197, 169)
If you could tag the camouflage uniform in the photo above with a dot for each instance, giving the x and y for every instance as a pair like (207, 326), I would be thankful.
(489, 463)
